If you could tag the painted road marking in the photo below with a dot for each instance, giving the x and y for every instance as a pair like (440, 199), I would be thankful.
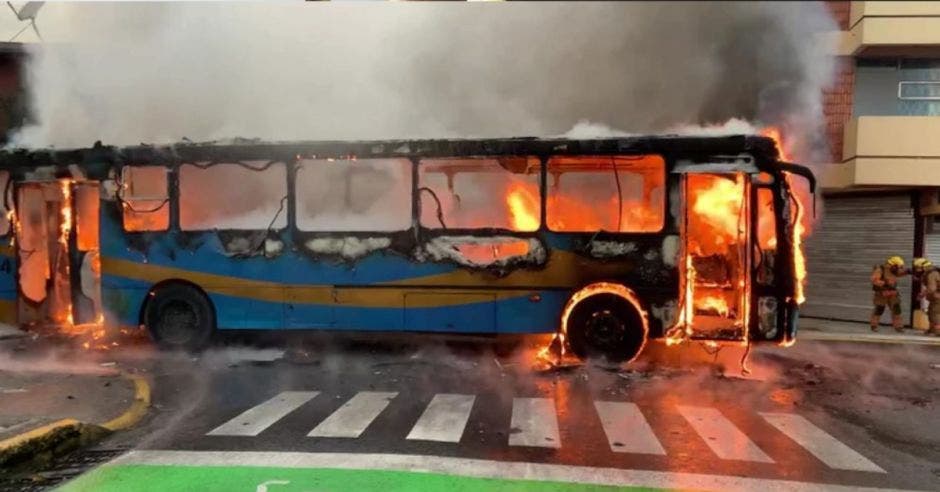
(258, 418)
(444, 419)
(627, 429)
(534, 423)
(722, 436)
(351, 419)
(507, 470)
(828, 449)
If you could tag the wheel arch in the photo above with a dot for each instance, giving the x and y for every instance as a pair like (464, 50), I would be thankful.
(175, 281)
(619, 290)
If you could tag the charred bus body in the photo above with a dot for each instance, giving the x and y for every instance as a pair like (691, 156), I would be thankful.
(606, 243)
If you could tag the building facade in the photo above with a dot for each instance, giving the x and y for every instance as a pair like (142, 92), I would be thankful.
(881, 185)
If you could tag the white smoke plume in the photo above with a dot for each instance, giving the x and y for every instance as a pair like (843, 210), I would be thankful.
(131, 73)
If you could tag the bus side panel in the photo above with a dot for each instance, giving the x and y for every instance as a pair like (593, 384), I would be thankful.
(535, 312)
(244, 308)
(122, 297)
(8, 287)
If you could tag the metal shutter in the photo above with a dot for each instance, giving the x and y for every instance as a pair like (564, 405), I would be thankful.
(932, 247)
(855, 234)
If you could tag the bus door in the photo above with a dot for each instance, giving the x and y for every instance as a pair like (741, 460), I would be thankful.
(57, 249)
(714, 270)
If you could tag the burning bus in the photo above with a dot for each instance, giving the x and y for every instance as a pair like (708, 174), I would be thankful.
(605, 243)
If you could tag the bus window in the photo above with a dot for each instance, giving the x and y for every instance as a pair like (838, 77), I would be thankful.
(246, 195)
(144, 198)
(614, 194)
(478, 193)
(354, 195)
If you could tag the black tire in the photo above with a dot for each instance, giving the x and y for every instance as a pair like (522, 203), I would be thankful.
(179, 316)
(608, 326)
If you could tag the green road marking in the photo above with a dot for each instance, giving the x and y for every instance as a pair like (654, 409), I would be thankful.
(144, 478)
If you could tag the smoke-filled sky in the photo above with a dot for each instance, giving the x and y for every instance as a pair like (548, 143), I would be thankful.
(130, 73)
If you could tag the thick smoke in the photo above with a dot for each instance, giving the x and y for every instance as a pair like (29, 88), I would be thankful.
(130, 73)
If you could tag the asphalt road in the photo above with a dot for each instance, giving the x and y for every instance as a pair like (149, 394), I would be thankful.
(821, 413)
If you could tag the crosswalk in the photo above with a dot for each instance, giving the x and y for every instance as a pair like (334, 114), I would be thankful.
(534, 424)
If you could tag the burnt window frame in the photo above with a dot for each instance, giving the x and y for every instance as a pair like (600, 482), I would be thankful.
(476, 231)
(670, 182)
(175, 221)
(170, 193)
(8, 191)
(295, 166)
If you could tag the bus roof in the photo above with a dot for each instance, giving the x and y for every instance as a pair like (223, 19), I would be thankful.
(676, 146)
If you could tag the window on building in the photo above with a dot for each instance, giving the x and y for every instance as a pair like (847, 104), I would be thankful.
(354, 195)
(480, 193)
(897, 87)
(144, 198)
(248, 195)
(614, 194)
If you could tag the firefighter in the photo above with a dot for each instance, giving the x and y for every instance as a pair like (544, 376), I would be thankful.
(930, 288)
(884, 281)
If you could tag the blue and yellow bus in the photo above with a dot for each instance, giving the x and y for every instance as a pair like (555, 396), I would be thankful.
(606, 242)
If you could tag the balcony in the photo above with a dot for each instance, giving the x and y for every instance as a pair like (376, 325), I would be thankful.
(890, 28)
(887, 151)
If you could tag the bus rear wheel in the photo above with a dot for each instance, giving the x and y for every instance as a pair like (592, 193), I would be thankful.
(606, 325)
(179, 316)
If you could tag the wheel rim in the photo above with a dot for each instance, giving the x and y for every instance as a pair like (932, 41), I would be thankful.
(605, 329)
(178, 321)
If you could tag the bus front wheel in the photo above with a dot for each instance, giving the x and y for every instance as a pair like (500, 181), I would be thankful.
(179, 316)
(606, 325)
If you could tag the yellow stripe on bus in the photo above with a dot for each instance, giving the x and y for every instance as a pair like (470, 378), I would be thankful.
(386, 296)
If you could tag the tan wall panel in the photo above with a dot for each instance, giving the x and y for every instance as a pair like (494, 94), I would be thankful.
(892, 136)
(898, 31)
(871, 171)
(883, 8)
(835, 176)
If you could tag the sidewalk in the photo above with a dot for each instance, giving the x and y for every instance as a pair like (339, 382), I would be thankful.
(847, 331)
(51, 404)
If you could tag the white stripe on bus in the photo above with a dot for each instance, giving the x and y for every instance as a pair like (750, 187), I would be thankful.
(721, 435)
(819, 443)
(258, 418)
(627, 429)
(444, 419)
(351, 419)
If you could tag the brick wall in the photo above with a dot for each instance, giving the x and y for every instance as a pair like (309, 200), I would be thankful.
(837, 104)
(840, 13)
(837, 100)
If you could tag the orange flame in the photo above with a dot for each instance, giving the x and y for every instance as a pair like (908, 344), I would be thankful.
(523, 207)
(799, 258)
(801, 225)
(713, 303)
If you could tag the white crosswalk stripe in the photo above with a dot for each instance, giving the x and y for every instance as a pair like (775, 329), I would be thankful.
(819, 443)
(258, 418)
(351, 419)
(626, 429)
(722, 436)
(534, 423)
(444, 419)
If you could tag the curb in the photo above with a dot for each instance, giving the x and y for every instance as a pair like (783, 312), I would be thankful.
(868, 338)
(66, 435)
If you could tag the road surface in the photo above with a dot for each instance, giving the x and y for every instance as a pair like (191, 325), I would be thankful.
(377, 416)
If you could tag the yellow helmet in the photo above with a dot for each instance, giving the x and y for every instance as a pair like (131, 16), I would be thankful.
(922, 263)
(895, 261)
